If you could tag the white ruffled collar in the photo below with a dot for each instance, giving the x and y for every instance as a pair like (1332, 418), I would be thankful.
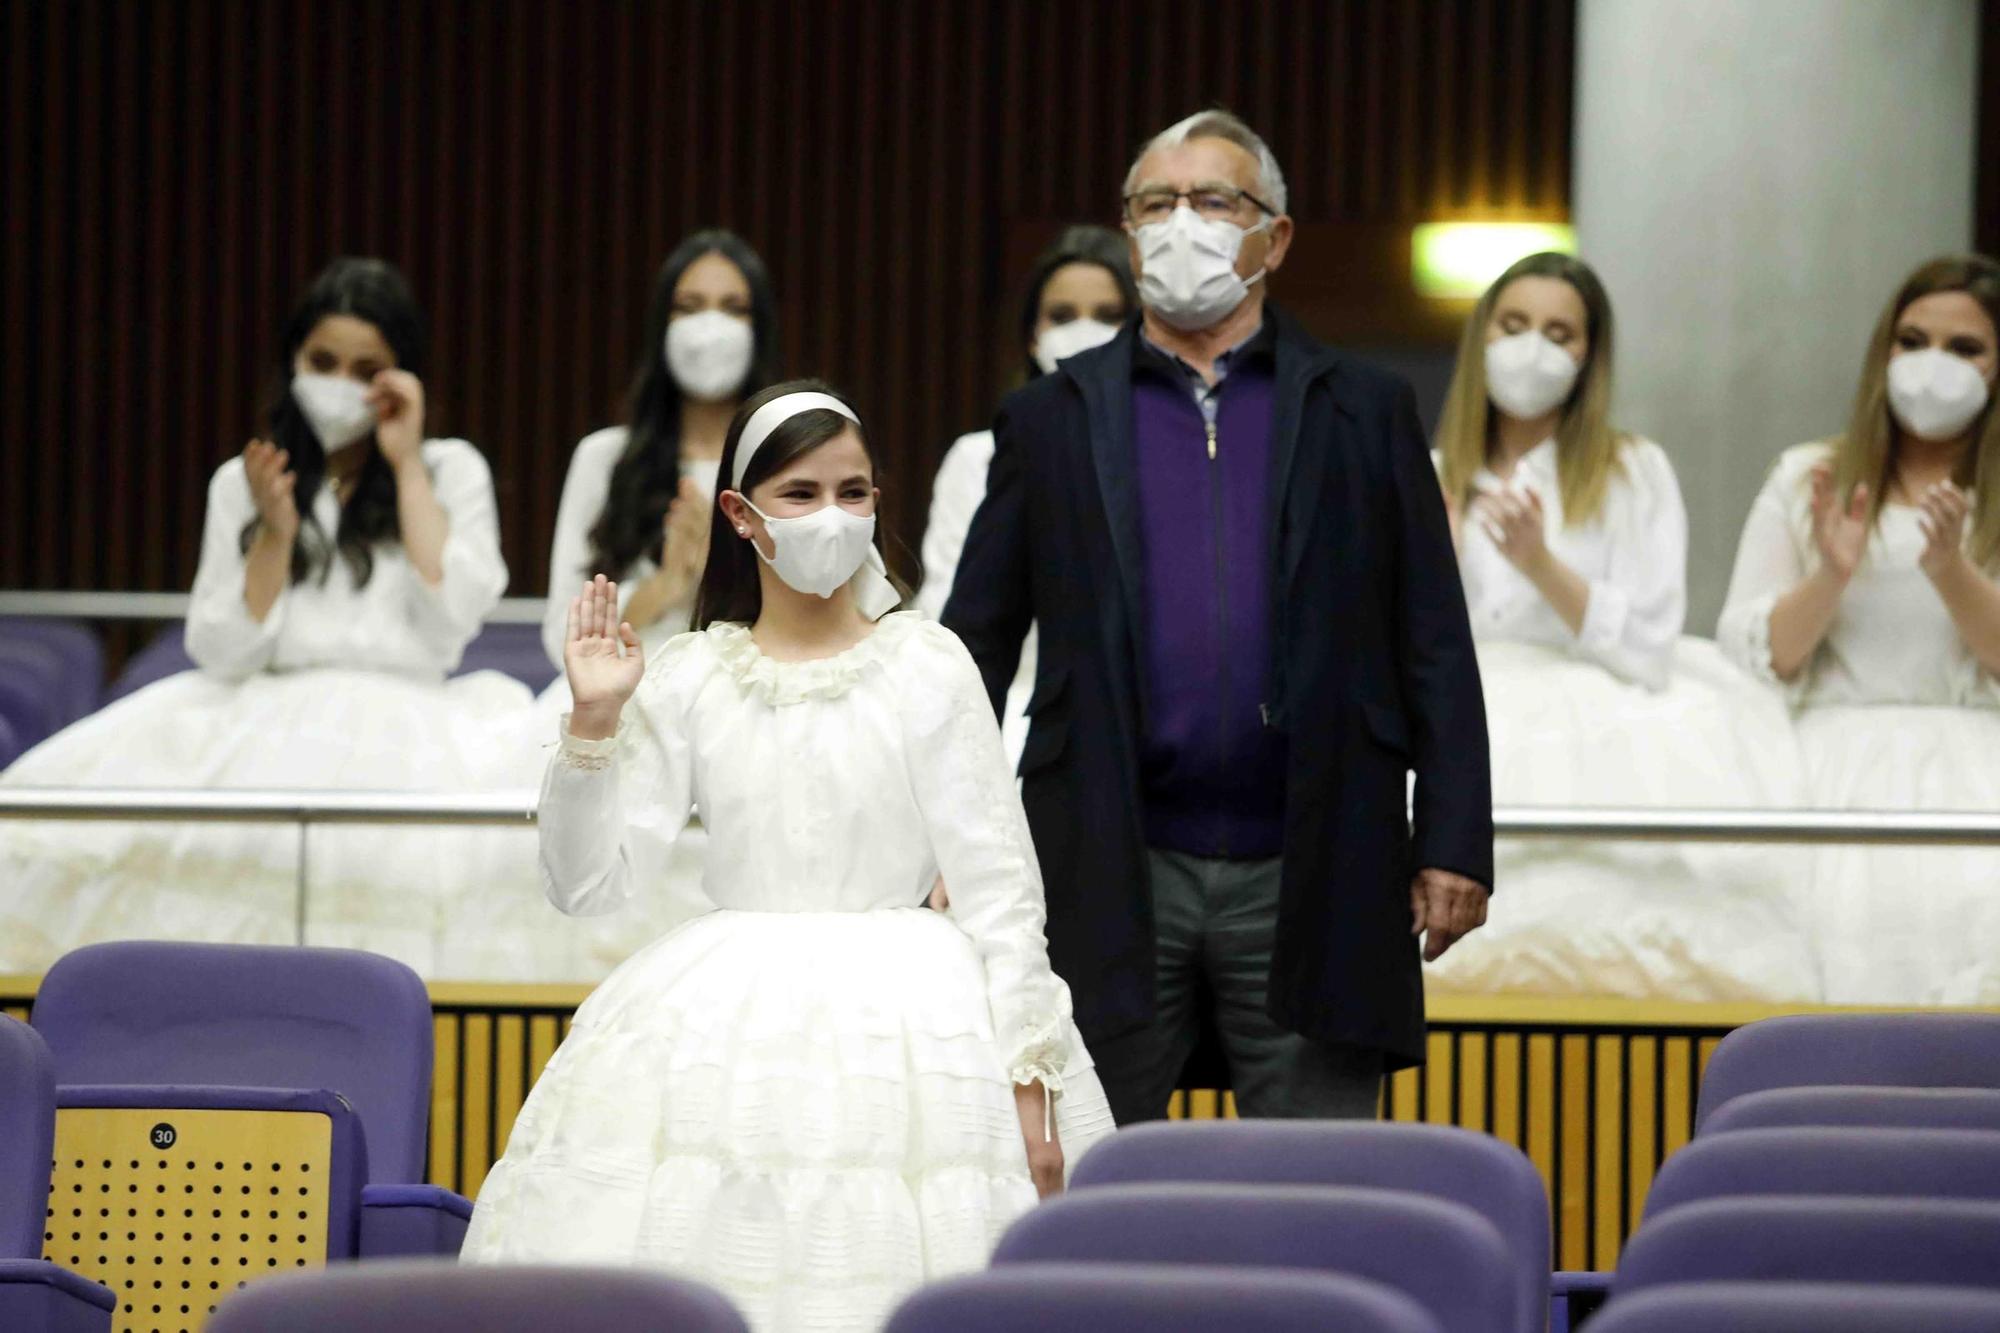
(780, 683)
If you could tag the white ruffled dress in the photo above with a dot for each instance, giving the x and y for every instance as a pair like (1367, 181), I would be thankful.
(1625, 711)
(803, 1094)
(1893, 713)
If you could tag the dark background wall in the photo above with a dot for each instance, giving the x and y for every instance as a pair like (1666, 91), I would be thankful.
(173, 173)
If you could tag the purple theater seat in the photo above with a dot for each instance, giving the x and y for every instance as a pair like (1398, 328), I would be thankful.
(429, 1296)
(35, 1296)
(1142, 1298)
(1880, 1163)
(1494, 1179)
(1938, 1050)
(1445, 1256)
(1859, 1108)
(81, 655)
(166, 655)
(268, 1018)
(1802, 1307)
(514, 650)
(10, 744)
(1925, 1242)
(33, 694)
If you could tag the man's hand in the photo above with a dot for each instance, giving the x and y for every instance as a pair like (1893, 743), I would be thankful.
(1445, 908)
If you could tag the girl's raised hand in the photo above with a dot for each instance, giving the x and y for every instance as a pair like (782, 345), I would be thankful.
(601, 654)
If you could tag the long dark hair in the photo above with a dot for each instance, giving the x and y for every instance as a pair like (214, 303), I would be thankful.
(647, 476)
(1076, 245)
(730, 586)
(366, 289)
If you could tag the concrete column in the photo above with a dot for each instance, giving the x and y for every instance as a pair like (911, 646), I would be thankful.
(1752, 179)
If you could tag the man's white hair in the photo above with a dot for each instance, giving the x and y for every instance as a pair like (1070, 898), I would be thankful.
(1220, 125)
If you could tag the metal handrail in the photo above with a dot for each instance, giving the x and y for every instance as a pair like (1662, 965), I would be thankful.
(173, 606)
(1621, 824)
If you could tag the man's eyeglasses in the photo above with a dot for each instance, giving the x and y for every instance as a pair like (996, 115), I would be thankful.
(1214, 201)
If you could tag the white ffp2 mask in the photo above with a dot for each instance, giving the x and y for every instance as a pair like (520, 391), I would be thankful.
(1059, 342)
(709, 355)
(819, 552)
(1933, 394)
(1528, 376)
(1187, 270)
(336, 408)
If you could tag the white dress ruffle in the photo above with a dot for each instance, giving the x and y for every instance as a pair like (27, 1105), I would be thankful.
(1893, 713)
(804, 1092)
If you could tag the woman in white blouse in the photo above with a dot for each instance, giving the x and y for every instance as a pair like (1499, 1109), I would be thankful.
(1864, 591)
(635, 506)
(1077, 294)
(1572, 543)
(346, 560)
(636, 502)
(814, 1093)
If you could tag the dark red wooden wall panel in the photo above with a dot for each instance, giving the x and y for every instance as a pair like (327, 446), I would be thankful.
(174, 171)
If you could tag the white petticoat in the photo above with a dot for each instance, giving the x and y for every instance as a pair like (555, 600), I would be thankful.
(806, 1109)
(1905, 925)
(448, 901)
(1679, 921)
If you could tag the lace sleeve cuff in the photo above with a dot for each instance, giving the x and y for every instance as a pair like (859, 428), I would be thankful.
(1747, 637)
(589, 755)
(1042, 1054)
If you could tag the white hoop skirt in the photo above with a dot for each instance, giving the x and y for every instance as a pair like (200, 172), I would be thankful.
(807, 1109)
(1675, 921)
(449, 901)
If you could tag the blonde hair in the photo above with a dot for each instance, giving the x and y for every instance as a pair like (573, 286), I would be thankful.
(1587, 449)
(1866, 453)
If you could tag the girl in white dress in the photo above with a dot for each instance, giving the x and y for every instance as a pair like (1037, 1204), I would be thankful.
(345, 562)
(1572, 543)
(817, 1094)
(1864, 591)
(635, 507)
(1079, 292)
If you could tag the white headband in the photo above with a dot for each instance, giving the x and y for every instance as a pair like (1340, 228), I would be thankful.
(774, 414)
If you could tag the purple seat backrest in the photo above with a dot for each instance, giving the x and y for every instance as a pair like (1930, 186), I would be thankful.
(1801, 1307)
(1883, 1163)
(81, 654)
(1939, 1050)
(27, 1138)
(32, 692)
(1142, 1298)
(1935, 1242)
(239, 1015)
(1859, 1108)
(166, 655)
(391, 1296)
(1443, 1255)
(1494, 1179)
(514, 650)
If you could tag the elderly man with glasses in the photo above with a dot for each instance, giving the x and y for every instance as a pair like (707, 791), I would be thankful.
(1252, 634)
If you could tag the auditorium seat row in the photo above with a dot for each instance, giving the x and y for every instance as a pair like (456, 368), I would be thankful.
(182, 1118)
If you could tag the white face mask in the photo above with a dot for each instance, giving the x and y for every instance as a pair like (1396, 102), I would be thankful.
(1528, 376)
(1059, 342)
(709, 355)
(819, 552)
(336, 408)
(1934, 394)
(1188, 268)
